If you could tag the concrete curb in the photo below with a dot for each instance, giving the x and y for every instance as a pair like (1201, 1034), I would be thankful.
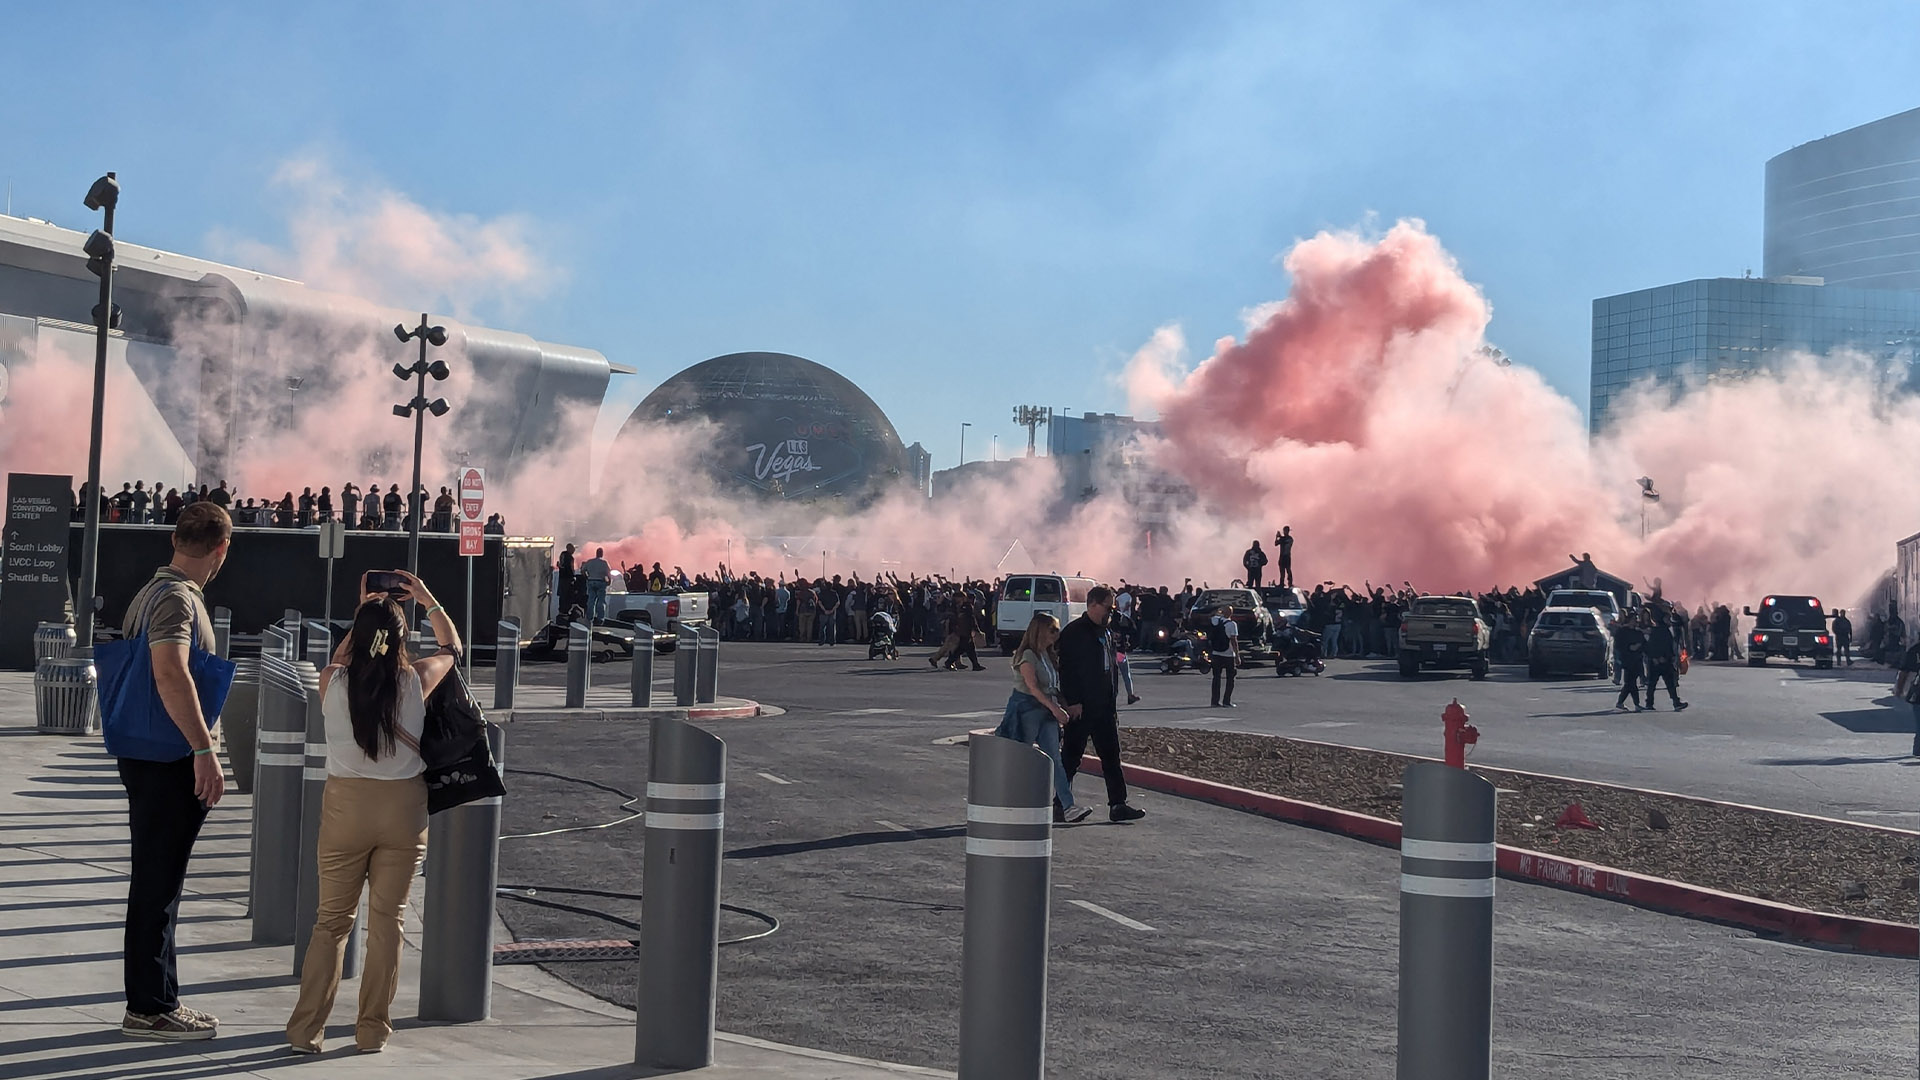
(1874, 936)
(697, 712)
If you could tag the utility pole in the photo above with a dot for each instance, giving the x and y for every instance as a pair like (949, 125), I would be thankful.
(1032, 417)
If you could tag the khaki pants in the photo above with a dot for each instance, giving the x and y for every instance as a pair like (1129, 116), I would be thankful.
(372, 833)
(806, 627)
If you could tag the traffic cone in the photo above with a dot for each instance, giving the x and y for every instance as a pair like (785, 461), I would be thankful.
(1573, 817)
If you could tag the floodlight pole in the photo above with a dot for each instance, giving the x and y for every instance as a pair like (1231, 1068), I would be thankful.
(90, 537)
(419, 436)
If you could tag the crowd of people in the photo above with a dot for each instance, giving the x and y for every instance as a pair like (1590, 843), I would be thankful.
(367, 509)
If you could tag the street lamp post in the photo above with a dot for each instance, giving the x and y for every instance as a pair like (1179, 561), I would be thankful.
(418, 408)
(963, 441)
(103, 195)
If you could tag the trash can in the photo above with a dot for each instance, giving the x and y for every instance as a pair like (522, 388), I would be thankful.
(66, 699)
(52, 640)
(240, 723)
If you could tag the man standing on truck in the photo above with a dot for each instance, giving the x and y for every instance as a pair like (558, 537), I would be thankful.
(1253, 560)
(597, 573)
(1283, 540)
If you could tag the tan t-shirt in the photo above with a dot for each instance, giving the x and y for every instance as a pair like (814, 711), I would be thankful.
(177, 611)
(1044, 673)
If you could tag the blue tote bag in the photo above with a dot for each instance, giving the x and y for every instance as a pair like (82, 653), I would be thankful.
(132, 717)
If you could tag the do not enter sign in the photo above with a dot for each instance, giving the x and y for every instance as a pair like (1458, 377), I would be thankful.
(473, 493)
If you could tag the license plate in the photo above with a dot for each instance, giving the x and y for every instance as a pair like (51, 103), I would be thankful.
(1439, 648)
(1789, 640)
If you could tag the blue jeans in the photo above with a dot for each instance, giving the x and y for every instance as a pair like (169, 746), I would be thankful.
(596, 599)
(1916, 729)
(1028, 721)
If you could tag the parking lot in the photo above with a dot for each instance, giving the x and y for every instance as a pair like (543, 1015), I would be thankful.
(1199, 942)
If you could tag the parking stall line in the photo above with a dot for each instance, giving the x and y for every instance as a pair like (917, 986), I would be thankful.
(775, 779)
(1107, 913)
(975, 715)
(896, 827)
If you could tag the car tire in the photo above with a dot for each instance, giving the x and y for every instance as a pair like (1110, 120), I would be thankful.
(1822, 663)
(1478, 671)
(1008, 644)
(1536, 671)
(1409, 668)
(1604, 673)
(1756, 661)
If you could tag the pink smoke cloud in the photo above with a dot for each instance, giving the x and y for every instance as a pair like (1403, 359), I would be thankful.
(1365, 411)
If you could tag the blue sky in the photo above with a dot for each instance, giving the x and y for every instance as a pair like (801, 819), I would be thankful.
(962, 207)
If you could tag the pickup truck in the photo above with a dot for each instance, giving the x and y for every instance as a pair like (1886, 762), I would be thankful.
(662, 611)
(1443, 632)
(1256, 622)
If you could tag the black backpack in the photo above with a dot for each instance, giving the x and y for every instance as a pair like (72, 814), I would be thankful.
(1217, 638)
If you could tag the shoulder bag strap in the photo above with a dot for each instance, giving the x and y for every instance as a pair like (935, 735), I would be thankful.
(406, 737)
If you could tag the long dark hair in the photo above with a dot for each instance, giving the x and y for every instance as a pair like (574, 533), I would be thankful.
(373, 681)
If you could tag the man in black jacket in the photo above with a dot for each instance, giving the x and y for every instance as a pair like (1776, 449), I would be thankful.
(1663, 659)
(1089, 684)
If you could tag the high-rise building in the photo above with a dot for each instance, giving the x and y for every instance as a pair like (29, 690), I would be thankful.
(1725, 328)
(1847, 207)
(1842, 265)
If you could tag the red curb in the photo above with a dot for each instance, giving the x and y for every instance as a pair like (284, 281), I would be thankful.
(728, 712)
(1874, 936)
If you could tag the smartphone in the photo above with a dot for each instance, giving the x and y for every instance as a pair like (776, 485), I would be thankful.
(386, 581)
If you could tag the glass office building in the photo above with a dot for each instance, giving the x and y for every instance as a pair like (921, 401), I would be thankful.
(1846, 208)
(1720, 328)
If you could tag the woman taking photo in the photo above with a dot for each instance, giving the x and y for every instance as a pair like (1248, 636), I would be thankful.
(373, 817)
(1034, 713)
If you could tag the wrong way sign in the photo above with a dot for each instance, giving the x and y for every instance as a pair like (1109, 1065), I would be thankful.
(473, 507)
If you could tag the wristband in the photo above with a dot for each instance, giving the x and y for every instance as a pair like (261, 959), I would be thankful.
(434, 608)
(208, 750)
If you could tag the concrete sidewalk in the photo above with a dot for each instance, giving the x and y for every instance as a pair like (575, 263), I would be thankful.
(63, 861)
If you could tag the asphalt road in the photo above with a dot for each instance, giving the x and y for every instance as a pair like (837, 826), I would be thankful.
(1272, 949)
(1822, 742)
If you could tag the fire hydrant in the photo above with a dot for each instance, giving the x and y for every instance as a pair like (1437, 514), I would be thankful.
(1460, 734)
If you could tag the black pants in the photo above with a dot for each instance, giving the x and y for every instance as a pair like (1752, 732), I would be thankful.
(963, 651)
(165, 818)
(1667, 673)
(1630, 683)
(1285, 576)
(1223, 665)
(1104, 729)
(1253, 577)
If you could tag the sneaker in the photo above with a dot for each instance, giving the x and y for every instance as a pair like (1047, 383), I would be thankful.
(171, 1027)
(1133, 699)
(195, 1014)
(1123, 812)
(1679, 706)
(932, 663)
(1077, 815)
(298, 1049)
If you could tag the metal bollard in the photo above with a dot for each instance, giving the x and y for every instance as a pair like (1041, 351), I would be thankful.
(313, 792)
(223, 632)
(240, 723)
(686, 660)
(1003, 956)
(319, 643)
(579, 664)
(66, 696)
(706, 668)
(1446, 924)
(278, 793)
(52, 641)
(680, 912)
(291, 622)
(640, 678)
(506, 662)
(456, 946)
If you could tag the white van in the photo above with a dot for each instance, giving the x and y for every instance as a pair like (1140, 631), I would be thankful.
(1024, 594)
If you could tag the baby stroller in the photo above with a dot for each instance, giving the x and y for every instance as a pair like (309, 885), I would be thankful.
(880, 637)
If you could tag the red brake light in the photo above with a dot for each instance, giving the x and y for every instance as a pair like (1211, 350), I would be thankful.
(1813, 601)
(1759, 639)
(673, 609)
(1821, 640)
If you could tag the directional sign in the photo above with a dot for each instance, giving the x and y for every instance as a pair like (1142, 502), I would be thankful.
(333, 539)
(473, 491)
